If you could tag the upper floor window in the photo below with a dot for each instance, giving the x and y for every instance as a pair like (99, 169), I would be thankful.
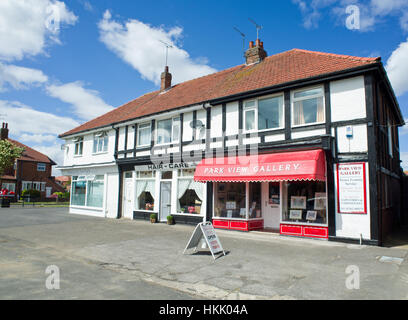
(79, 146)
(143, 134)
(390, 146)
(100, 142)
(168, 130)
(263, 114)
(40, 166)
(308, 106)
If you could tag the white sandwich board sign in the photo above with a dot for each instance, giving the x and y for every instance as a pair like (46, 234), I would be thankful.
(205, 230)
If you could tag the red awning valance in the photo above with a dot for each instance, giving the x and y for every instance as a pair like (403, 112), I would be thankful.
(286, 166)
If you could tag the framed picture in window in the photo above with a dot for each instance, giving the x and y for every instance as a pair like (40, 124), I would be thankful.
(295, 214)
(320, 201)
(221, 187)
(297, 202)
(311, 215)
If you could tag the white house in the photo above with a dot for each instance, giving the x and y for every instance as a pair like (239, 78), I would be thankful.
(303, 143)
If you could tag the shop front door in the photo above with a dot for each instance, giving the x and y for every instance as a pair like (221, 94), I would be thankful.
(128, 196)
(165, 200)
(272, 205)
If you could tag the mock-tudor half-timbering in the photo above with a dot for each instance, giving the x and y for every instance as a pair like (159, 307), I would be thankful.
(301, 142)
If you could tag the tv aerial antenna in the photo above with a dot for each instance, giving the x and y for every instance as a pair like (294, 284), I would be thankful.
(258, 27)
(167, 49)
(243, 39)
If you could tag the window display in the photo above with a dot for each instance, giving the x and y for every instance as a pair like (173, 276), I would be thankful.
(230, 200)
(254, 210)
(145, 190)
(306, 202)
(190, 194)
(87, 191)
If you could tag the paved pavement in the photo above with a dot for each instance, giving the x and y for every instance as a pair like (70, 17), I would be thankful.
(122, 259)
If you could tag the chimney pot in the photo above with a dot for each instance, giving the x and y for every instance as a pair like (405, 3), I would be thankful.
(4, 131)
(255, 53)
(165, 79)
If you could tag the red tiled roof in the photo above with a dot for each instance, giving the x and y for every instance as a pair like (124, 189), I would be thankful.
(30, 154)
(280, 68)
(63, 178)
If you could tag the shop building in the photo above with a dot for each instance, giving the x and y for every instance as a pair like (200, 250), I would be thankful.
(302, 143)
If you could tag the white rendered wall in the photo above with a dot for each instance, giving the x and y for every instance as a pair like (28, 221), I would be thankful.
(351, 225)
(216, 122)
(356, 143)
(232, 125)
(347, 99)
(88, 157)
(187, 130)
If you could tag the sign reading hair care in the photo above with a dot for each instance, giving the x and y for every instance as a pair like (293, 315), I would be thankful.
(351, 188)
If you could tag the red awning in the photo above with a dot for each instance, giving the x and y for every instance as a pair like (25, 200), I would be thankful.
(286, 166)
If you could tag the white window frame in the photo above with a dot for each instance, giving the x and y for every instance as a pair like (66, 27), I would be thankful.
(173, 120)
(390, 139)
(136, 202)
(28, 185)
(98, 136)
(7, 185)
(78, 147)
(86, 179)
(255, 108)
(41, 164)
(293, 100)
(138, 134)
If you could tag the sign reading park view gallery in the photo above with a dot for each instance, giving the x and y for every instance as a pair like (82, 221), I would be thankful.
(351, 188)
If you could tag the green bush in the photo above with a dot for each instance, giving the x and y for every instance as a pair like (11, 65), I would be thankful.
(153, 216)
(31, 193)
(170, 218)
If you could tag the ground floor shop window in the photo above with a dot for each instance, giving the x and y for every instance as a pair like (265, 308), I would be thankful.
(305, 203)
(95, 192)
(254, 210)
(145, 194)
(87, 191)
(230, 200)
(190, 196)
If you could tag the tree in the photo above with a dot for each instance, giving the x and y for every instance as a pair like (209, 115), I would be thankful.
(8, 154)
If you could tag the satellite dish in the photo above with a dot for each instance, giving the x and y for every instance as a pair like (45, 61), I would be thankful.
(196, 124)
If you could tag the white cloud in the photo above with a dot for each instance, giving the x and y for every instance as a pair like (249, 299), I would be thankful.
(27, 25)
(20, 77)
(372, 13)
(85, 103)
(39, 138)
(397, 68)
(139, 45)
(404, 159)
(23, 119)
(37, 129)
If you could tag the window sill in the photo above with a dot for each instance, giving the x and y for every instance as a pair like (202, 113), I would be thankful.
(98, 153)
(238, 219)
(86, 207)
(305, 223)
(187, 214)
(307, 125)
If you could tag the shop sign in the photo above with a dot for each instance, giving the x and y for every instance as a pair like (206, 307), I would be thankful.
(166, 166)
(205, 230)
(351, 188)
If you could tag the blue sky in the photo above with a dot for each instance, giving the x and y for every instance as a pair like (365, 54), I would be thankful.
(65, 62)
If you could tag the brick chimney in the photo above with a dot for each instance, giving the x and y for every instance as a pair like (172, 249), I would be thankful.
(4, 131)
(255, 53)
(165, 79)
